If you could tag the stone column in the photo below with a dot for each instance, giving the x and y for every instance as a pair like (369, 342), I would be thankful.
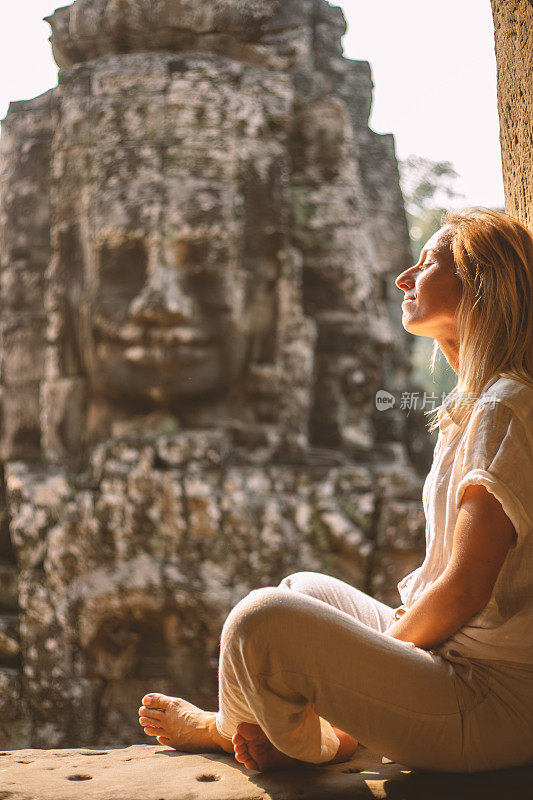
(513, 36)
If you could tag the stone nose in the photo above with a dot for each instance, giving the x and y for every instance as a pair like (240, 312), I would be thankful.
(162, 302)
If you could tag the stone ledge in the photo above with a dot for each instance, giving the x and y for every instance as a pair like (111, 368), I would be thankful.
(144, 772)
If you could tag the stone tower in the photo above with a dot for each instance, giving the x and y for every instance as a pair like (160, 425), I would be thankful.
(199, 239)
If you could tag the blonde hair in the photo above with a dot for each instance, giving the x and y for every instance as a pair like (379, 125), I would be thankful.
(493, 256)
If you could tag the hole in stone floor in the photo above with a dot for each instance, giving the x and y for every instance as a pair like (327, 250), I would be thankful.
(350, 770)
(207, 778)
(79, 778)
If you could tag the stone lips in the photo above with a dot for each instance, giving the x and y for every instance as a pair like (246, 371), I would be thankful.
(197, 244)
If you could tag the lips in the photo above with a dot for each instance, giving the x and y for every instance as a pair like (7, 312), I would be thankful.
(153, 356)
(134, 336)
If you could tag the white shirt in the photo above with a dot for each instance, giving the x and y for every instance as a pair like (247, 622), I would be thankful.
(495, 449)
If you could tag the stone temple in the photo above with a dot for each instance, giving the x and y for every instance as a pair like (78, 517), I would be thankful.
(199, 239)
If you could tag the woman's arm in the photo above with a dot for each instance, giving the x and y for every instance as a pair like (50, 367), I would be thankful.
(482, 537)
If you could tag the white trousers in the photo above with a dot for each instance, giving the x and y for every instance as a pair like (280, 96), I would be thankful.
(313, 653)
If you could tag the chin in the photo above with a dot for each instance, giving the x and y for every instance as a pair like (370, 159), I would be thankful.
(409, 326)
(415, 327)
(157, 384)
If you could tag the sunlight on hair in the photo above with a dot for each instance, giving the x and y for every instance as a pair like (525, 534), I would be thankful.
(493, 255)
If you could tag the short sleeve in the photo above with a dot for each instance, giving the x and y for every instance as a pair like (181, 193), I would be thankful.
(498, 454)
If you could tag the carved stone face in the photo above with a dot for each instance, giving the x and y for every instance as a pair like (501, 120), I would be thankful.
(159, 317)
(171, 256)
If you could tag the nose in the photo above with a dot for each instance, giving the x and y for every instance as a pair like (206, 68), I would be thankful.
(406, 280)
(162, 302)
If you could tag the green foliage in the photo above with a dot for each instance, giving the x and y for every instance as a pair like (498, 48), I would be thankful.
(428, 190)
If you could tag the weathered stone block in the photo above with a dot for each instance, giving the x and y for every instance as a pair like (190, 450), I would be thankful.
(9, 625)
(63, 404)
(401, 526)
(145, 771)
(21, 289)
(23, 351)
(14, 720)
(20, 428)
(9, 585)
(390, 566)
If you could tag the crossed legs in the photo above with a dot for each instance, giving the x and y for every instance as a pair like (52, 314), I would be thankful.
(297, 660)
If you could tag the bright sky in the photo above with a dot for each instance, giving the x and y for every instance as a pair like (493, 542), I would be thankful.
(432, 63)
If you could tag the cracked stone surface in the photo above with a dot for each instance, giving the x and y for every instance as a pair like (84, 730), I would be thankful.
(144, 772)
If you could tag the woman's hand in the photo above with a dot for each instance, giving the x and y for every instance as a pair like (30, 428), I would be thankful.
(482, 537)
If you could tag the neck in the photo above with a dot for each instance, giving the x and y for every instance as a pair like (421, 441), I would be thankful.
(450, 348)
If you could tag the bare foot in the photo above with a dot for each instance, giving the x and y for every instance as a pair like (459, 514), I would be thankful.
(255, 751)
(177, 723)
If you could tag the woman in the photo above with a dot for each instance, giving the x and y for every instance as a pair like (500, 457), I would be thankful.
(445, 681)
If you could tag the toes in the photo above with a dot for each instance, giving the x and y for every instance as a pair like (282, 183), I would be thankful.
(251, 764)
(164, 740)
(151, 731)
(246, 760)
(240, 749)
(153, 713)
(160, 701)
(242, 756)
(154, 723)
(250, 732)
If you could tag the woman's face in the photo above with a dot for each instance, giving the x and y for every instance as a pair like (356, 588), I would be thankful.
(432, 290)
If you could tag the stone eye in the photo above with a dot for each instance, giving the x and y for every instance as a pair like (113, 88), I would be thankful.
(123, 268)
